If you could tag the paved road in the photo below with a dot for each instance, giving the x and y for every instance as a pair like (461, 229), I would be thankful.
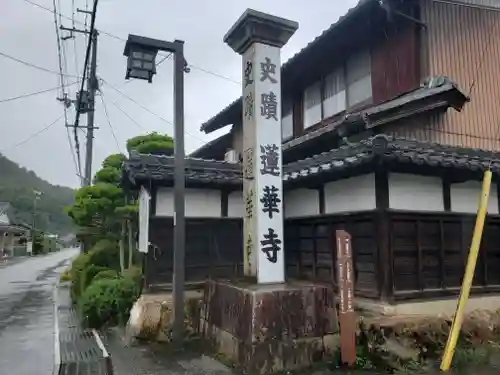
(27, 313)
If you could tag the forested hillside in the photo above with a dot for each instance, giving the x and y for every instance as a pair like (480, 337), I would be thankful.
(17, 186)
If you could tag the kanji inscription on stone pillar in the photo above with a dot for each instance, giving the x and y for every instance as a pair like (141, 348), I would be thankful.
(258, 37)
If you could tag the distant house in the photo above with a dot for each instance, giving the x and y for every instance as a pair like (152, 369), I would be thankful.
(11, 229)
(390, 117)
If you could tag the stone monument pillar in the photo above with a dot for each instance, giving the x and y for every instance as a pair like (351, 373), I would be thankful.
(258, 37)
(268, 326)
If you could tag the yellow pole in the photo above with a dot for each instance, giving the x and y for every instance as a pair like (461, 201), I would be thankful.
(469, 274)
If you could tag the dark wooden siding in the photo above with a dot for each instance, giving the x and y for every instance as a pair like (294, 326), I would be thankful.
(395, 61)
(461, 42)
(214, 248)
(310, 249)
(427, 253)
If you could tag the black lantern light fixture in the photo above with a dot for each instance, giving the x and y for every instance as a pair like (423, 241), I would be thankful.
(141, 61)
(141, 55)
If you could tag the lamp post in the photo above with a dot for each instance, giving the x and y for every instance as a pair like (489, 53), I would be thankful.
(141, 55)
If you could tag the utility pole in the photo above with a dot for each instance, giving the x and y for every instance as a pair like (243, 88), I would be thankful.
(92, 88)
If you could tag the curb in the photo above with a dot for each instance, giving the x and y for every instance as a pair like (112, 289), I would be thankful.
(57, 346)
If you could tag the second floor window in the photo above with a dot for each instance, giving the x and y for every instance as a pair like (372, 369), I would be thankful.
(287, 119)
(312, 105)
(334, 93)
(359, 79)
(347, 86)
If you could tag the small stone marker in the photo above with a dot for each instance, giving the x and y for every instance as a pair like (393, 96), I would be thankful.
(347, 315)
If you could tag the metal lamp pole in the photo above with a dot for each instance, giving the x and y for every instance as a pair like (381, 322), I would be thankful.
(141, 53)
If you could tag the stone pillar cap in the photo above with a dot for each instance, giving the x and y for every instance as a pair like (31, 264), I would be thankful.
(258, 27)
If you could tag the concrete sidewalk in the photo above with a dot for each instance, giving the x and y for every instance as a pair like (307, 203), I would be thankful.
(154, 359)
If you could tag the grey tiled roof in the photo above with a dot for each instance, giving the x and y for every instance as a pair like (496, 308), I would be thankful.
(400, 150)
(161, 168)
(381, 147)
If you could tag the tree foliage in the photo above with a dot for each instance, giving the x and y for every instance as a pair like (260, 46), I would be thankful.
(95, 207)
(114, 161)
(152, 143)
(16, 187)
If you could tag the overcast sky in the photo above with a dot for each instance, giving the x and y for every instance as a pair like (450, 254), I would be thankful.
(27, 32)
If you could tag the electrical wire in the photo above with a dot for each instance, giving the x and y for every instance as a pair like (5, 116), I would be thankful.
(125, 113)
(103, 32)
(73, 35)
(148, 110)
(34, 66)
(34, 93)
(109, 124)
(62, 60)
(44, 129)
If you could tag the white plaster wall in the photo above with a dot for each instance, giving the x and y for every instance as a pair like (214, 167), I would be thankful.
(4, 219)
(199, 202)
(351, 194)
(301, 202)
(415, 193)
(465, 197)
(235, 204)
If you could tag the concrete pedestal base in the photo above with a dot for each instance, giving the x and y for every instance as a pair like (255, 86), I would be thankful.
(265, 329)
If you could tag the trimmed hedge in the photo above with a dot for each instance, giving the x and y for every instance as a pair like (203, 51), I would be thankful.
(103, 256)
(108, 301)
(106, 275)
(77, 268)
(89, 273)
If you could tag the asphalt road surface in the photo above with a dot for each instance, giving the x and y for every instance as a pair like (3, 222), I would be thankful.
(27, 313)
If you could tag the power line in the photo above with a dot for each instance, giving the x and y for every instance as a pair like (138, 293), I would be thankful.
(31, 65)
(126, 114)
(124, 40)
(34, 134)
(34, 93)
(61, 57)
(73, 35)
(148, 110)
(109, 124)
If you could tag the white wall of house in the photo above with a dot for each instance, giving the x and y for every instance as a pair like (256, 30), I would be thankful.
(351, 194)
(4, 219)
(199, 202)
(415, 193)
(301, 202)
(406, 192)
(235, 206)
(465, 197)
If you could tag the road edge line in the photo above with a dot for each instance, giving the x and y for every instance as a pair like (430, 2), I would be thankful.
(57, 345)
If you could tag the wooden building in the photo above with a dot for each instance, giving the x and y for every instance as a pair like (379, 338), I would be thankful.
(370, 145)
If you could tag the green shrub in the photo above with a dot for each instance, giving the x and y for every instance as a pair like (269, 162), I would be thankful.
(106, 275)
(89, 273)
(134, 273)
(108, 301)
(77, 268)
(106, 253)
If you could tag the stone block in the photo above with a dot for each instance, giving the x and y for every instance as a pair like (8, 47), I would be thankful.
(270, 328)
